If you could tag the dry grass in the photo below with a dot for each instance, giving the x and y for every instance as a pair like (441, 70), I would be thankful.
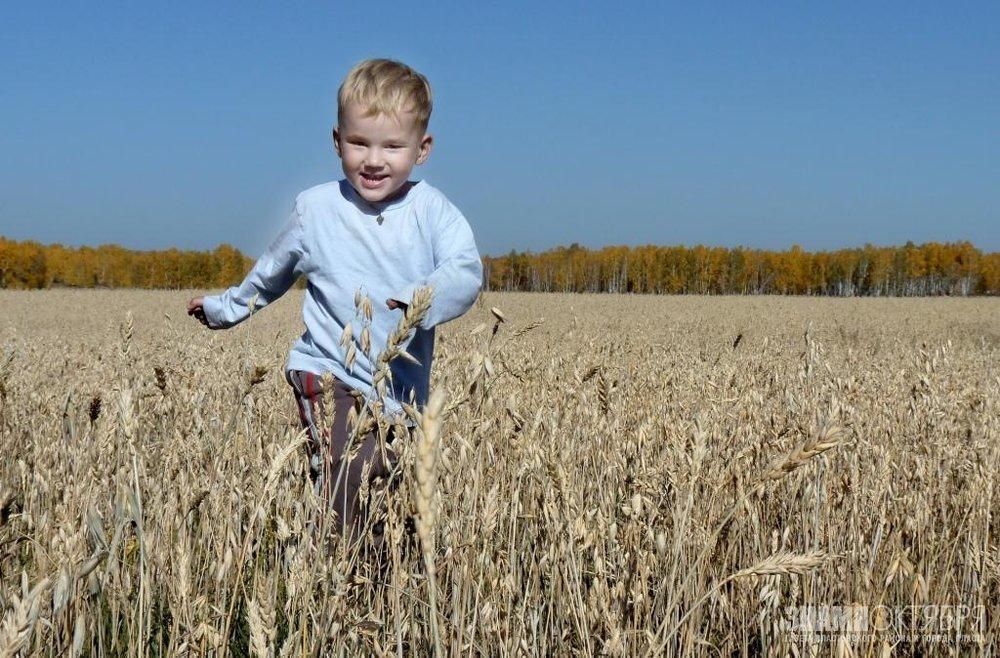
(599, 474)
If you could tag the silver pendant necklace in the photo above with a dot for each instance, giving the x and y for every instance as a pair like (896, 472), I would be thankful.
(374, 208)
(381, 217)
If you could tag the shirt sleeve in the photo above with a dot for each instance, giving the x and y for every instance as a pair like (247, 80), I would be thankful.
(457, 275)
(271, 276)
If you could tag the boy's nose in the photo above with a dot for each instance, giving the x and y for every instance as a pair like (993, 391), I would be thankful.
(373, 160)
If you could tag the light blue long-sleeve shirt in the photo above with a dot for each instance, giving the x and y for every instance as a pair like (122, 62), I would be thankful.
(334, 238)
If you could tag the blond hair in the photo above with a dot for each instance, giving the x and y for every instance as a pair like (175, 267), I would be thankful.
(386, 87)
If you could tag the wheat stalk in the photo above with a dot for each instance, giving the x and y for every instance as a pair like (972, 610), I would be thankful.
(778, 564)
(428, 447)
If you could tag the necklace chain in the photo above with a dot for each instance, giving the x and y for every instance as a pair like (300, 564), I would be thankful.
(381, 217)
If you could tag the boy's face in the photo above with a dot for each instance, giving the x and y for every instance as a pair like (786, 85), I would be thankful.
(378, 152)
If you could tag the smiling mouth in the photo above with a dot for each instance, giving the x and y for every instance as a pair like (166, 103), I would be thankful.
(374, 177)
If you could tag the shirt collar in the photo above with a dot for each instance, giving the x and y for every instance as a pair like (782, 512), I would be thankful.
(378, 208)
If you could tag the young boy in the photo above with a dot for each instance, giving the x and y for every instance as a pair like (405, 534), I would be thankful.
(376, 232)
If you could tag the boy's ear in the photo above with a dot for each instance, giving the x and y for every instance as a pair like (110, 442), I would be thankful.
(336, 141)
(424, 151)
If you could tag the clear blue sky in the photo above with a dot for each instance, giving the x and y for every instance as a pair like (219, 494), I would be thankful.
(829, 125)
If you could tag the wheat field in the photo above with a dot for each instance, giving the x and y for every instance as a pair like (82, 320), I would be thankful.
(596, 475)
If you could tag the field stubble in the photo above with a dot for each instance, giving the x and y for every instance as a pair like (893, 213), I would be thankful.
(625, 475)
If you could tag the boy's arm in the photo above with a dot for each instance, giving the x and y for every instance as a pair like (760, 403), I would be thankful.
(272, 275)
(458, 273)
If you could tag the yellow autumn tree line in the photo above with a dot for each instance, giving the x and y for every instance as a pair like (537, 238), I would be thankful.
(33, 265)
(931, 268)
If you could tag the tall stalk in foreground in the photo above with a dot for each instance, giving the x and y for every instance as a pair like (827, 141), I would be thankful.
(428, 445)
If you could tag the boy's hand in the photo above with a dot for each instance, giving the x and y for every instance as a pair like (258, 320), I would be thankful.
(195, 307)
(393, 304)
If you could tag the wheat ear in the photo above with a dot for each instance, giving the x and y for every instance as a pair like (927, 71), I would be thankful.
(778, 564)
(428, 445)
